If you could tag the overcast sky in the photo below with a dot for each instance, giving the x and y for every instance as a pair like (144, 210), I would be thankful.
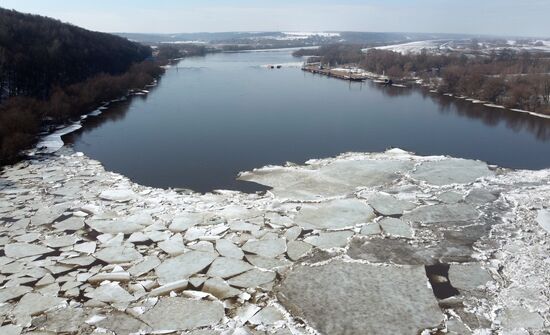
(496, 17)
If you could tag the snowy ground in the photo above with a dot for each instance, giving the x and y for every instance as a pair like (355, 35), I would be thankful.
(465, 46)
(415, 47)
(388, 243)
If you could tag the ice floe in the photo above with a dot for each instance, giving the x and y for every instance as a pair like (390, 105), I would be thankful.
(359, 243)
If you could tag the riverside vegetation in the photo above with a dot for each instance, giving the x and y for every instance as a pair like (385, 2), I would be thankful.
(514, 79)
(51, 72)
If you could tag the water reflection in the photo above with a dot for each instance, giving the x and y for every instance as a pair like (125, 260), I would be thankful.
(516, 121)
(214, 116)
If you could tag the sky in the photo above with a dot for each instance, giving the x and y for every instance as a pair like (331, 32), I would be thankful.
(491, 17)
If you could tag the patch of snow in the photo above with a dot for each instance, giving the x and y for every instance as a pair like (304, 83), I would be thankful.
(53, 142)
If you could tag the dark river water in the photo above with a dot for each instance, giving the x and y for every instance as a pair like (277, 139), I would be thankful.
(211, 117)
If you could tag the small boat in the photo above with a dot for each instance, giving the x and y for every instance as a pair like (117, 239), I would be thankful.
(279, 66)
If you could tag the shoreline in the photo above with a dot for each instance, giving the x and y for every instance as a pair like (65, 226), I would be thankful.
(378, 79)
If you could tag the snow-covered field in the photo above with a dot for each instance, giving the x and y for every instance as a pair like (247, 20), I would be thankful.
(305, 35)
(443, 46)
(414, 47)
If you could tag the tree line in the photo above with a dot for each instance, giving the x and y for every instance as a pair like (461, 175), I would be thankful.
(38, 53)
(514, 79)
(51, 72)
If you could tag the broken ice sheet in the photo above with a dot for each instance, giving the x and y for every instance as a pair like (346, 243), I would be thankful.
(228, 249)
(166, 315)
(21, 250)
(337, 239)
(252, 278)
(183, 266)
(388, 205)
(119, 254)
(220, 288)
(266, 248)
(311, 293)
(396, 227)
(225, 267)
(451, 170)
(118, 195)
(336, 214)
(111, 293)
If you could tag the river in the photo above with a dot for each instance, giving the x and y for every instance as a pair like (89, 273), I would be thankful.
(211, 117)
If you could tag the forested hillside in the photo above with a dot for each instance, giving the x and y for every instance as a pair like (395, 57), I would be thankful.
(55, 71)
(38, 53)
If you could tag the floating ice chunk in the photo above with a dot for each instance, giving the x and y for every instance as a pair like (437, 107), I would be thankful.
(267, 263)
(342, 288)
(119, 254)
(220, 289)
(86, 247)
(337, 239)
(520, 318)
(226, 248)
(225, 267)
(165, 289)
(110, 276)
(120, 323)
(167, 314)
(243, 226)
(451, 171)
(480, 196)
(267, 316)
(28, 238)
(185, 221)
(336, 214)
(297, 249)
(293, 233)
(183, 266)
(372, 228)
(468, 276)
(111, 293)
(118, 195)
(543, 219)
(34, 303)
(442, 213)
(60, 241)
(82, 260)
(66, 320)
(252, 278)
(396, 227)
(266, 248)
(10, 293)
(194, 233)
(21, 250)
(72, 224)
(202, 246)
(174, 246)
(141, 268)
(386, 204)
(114, 227)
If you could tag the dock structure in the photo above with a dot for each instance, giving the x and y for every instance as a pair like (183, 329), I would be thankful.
(340, 73)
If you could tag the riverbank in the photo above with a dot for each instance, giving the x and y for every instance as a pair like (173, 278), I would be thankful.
(351, 73)
(89, 251)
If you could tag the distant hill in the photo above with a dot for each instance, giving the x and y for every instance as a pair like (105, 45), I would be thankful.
(291, 38)
(39, 53)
